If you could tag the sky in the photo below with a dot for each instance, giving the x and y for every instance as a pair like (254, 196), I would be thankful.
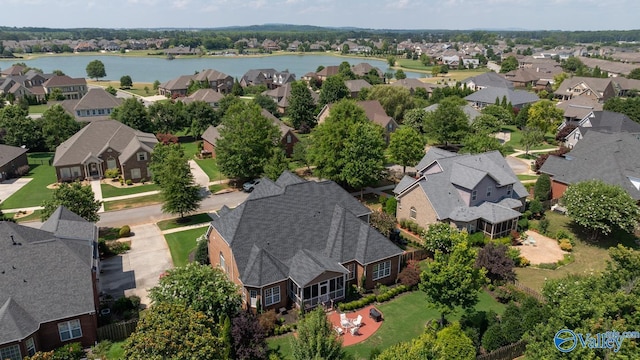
(371, 14)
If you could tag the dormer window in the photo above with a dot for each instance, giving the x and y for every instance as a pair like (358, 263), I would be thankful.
(474, 195)
(489, 190)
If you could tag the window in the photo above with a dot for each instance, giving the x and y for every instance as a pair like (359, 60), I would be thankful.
(288, 138)
(272, 296)
(509, 189)
(11, 352)
(223, 264)
(489, 190)
(142, 156)
(474, 195)
(111, 163)
(253, 295)
(75, 171)
(135, 173)
(413, 213)
(352, 271)
(31, 346)
(381, 270)
(70, 330)
(65, 173)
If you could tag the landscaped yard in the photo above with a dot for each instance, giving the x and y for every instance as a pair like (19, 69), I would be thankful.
(525, 177)
(404, 318)
(187, 220)
(190, 149)
(589, 255)
(113, 191)
(210, 167)
(35, 192)
(182, 243)
(137, 88)
(34, 216)
(133, 202)
(38, 109)
(516, 137)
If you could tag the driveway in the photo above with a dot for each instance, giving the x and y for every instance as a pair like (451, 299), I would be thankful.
(519, 166)
(10, 187)
(139, 269)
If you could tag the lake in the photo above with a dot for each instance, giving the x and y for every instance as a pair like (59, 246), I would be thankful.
(149, 69)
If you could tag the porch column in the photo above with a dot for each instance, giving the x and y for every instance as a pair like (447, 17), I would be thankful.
(86, 171)
(99, 165)
(493, 230)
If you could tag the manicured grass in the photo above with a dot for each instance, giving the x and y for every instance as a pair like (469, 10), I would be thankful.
(516, 137)
(210, 167)
(456, 75)
(187, 220)
(217, 187)
(34, 192)
(38, 109)
(404, 318)
(133, 202)
(590, 256)
(137, 88)
(112, 191)
(190, 149)
(182, 243)
(412, 64)
(116, 352)
(525, 177)
(34, 216)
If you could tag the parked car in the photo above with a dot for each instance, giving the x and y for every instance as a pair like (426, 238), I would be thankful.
(249, 185)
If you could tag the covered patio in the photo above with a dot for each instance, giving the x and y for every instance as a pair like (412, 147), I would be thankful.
(367, 328)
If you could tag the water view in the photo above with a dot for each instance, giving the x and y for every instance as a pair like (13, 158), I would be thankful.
(143, 69)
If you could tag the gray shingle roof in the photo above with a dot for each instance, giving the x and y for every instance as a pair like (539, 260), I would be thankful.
(612, 158)
(293, 228)
(489, 80)
(610, 122)
(515, 97)
(212, 134)
(9, 153)
(96, 98)
(42, 278)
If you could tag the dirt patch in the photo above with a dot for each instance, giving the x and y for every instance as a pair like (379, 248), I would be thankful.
(21, 214)
(545, 249)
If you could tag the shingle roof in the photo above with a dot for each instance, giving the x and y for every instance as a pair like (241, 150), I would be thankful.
(357, 85)
(9, 153)
(294, 228)
(212, 134)
(490, 94)
(610, 122)
(97, 137)
(206, 95)
(596, 84)
(42, 278)
(63, 80)
(489, 80)
(179, 83)
(612, 158)
(97, 98)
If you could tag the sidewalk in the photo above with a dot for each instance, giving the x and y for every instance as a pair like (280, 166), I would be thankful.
(183, 228)
(97, 193)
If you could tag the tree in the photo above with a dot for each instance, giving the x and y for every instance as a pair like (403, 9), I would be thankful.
(344, 70)
(442, 237)
(180, 195)
(452, 343)
(133, 113)
(95, 69)
(509, 64)
(75, 197)
(406, 147)
(110, 89)
(160, 158)
(452, 280)
(248, 337)
(363, 155)
(486, 124)
(628, 106)
(383, 222)
(572, 64)
(199, 115)
(634, 74)
(544, 115)
(448, 123)
(395, 100)
(156, 85)
(415, 119)
(58, 72)
(391, 60)
(493, 257)
(601, 208)
(400, 74)
(18, 129)
(301, 109)
(246, 141)
(301, 152)
(333, 89)
(558, 79)
(479, 142)
(167, 117)
(276, 164)
(542, 188)
(200, 288)
(449, 342)
(126, 82)
(530, 138)
(57, 126)
(174, 331)
(316, 339)
(236, 89)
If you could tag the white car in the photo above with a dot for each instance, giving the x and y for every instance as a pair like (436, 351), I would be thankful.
(249, 185)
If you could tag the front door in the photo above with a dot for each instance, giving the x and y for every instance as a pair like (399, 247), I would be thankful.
(93, 169)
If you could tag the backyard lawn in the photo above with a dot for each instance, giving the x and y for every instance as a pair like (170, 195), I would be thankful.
(34, 216)
(182, 243)
(35, 192)
(210, 167)
(133, 202)
(187, 220)
(113, 191)
(404, 318)
(516, 137)
(190, 149)
(38, 109)
(590, 256)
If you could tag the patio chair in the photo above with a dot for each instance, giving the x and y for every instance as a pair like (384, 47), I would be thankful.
(355, 330)
(339, 330)
(344, 322)
(358, 321)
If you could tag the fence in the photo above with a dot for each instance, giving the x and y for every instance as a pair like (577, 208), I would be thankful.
(118, 331)
(417, 255)
(529, 291)
(508, 352)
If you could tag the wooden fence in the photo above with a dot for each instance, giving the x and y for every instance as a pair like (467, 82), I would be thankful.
(118, 331)
(416, 254)
(529, 291)
(508, 352)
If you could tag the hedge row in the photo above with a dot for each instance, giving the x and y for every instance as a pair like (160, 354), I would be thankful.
(386, 296)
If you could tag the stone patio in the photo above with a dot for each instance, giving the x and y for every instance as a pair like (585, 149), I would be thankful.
(544, 250)
(368, 327)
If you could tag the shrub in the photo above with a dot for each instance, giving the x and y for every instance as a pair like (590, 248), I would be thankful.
(543, 226)
(565, 245)
(117, 247)
(125, 231)
(202, 252)
(542, 189)
(112, 173)
(129, 182)
(268, 320)
(548, 266)
(523, 224)
(563, 235)
(535, 207)
(410, 275)
(143, 180)
(390, 206)
(382, 200)
(514, 236)
(523, 262)
(126, 303)
(72, 351)
(22, 170)
(493, 338)
(477, 239)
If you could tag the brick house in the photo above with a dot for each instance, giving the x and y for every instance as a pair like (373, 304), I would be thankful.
(96, 104)
(476, 192)
(71, 88)
(300, 243)
(11, 158)
(102, 145)
(47, 301)
(209, 78)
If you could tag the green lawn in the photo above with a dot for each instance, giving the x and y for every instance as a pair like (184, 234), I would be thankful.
(38, 109)
(589, 256)
(187, 220)
(516, 137)
(115, 351)
(113, 191)
(190, 149)
(217, 187)
(404, 318)
(522, 177)
(35, 192)
(182, 243)
(210, 166)
(34, 216)
(133, 202)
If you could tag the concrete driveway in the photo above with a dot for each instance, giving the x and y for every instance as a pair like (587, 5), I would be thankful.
(135, 272)
(519, 166)
(10, 187)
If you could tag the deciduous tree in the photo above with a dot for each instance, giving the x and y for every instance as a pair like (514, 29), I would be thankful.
(75, 197)
(18, 129)
(363, 155)
(301, 109)
(180, 195)
(57, 126)
(126, 82)
(415, 119)
(448, 123)
(544, 115)
(395, 100)
(199, 115)
(333, 89)
(531, 137)
(498, 264)
(406, 147)
(316, 338)
(133, 113)
(95, 69)
(509, 64)
(276, 164)
(248, 337)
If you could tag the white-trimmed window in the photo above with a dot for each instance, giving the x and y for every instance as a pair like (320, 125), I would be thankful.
(253, 295)
(489, 190)
(413, 213)
(135, 173)
(142, 156)
(10, 352)
(352, 271)
(381, 270)
(31, 346)
(509, 189)
(70, 330)
(474, 195)
(223, 264)
(272, 296)
(288, 138)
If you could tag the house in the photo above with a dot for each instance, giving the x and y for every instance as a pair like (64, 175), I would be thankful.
(29, 84)
(468, 110)
(301, 243)
(288, 138)
(610, 157)
(488, 96)
(209, 96)
(328, 71)
(355, 86)
(602, 121)
(11, 159)
(474, 192)
(48, 285)
(280, 96)
(487, 80)
(594, 88)
(71, 88)
(374, 112)
(97, 104)
(577, 110)
(626, 87)
(363, 69)
(209, 78)
(175, 87)
(412, 84)
(102, 145)
(270, 78)
(15, 70)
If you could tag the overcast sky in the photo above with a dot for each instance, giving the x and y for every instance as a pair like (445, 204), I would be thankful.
(376, 14)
